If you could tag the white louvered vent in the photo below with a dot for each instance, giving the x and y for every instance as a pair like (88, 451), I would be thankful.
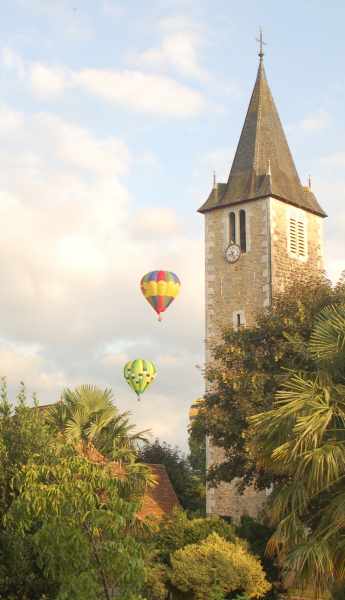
(301, 238)
(297, 237)
(293, 236)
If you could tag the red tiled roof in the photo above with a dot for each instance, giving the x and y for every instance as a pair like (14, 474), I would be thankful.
(161, 499)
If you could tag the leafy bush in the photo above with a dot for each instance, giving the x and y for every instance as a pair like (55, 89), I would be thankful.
(178, 530)
(214, 568)
(156, 582)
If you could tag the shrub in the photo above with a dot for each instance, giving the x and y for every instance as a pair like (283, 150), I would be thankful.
(177, 531)
(215, 567)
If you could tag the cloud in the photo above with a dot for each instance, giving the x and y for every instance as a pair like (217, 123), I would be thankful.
(179, 49)
(330, 191)
(10, 120)
(73, 251)
(132, 89)
(316, 121)
(153, 94)
(46, 81)
(154, 223)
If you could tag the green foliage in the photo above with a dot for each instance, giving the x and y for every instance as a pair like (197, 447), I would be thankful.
(197, 446)
(87, 416)
(303, 439)
(187, 484)
(178, 530)
(68, 527)
(82, 525)
(251, 365)
(215, 567)
(156, 581)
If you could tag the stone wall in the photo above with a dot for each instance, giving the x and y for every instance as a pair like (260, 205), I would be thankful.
(246, 288)
(283, 265)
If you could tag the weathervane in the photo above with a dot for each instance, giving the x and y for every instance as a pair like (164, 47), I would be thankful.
(261, 45)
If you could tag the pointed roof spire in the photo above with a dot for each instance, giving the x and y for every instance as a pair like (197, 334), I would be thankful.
(262, 143)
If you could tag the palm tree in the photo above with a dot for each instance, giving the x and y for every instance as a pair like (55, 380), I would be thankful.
(303, 439)
(87, 417)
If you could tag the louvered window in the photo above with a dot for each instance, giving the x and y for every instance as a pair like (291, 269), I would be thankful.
(297, 237)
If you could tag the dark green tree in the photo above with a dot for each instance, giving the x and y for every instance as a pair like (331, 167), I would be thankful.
(303, 438)
(251, 364)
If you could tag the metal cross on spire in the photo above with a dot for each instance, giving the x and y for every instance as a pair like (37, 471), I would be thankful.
(261, 45)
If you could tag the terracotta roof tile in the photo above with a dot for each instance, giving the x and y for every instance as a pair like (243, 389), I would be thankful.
(161, 499)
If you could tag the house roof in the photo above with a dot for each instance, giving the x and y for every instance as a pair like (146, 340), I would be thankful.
(263, 165)
(158, 500)
(161, 499)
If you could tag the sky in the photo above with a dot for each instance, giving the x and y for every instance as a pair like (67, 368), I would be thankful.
(113, 116)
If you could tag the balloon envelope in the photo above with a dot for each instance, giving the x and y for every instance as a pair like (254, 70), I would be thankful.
(160, 288)
(139, 374)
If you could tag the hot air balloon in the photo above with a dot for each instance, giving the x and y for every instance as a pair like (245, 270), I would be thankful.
(139, 374)
(160, 288)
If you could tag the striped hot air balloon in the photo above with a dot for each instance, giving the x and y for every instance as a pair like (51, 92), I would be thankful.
(160, 288)
(139, 374)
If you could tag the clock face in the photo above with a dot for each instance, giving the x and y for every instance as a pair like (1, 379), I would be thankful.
(232, 253)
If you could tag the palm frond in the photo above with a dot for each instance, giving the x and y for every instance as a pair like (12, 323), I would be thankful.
(328, 336)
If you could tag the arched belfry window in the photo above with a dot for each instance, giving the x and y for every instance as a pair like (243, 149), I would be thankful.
(232, 225)
(243, 234)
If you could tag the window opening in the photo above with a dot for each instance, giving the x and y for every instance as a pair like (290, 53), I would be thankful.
(232, 219)
(243, 235)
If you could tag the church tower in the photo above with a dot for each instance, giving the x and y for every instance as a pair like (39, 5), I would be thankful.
(261, 226)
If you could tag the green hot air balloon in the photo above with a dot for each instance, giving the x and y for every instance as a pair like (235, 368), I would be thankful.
(139, 374)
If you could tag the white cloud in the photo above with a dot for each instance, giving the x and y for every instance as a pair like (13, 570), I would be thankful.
(10, 120)
(154, 223)
(71, 262)
(153, 94)
(179, 49)
(47, 81)
(316, 121)
(132, 89)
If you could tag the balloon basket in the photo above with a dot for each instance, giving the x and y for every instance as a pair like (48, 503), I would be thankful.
(160, 318)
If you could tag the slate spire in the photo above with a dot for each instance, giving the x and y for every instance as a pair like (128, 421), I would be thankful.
(263, 165)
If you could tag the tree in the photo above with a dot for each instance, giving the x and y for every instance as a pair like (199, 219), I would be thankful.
(80, 518)
(303, 439)
(68, 526)
(249, 367)
(214, 568)
(197, 442)
(87, 416)
(176, 532)
(186, 482)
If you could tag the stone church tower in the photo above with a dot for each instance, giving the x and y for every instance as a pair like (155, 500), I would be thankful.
(260, 227)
